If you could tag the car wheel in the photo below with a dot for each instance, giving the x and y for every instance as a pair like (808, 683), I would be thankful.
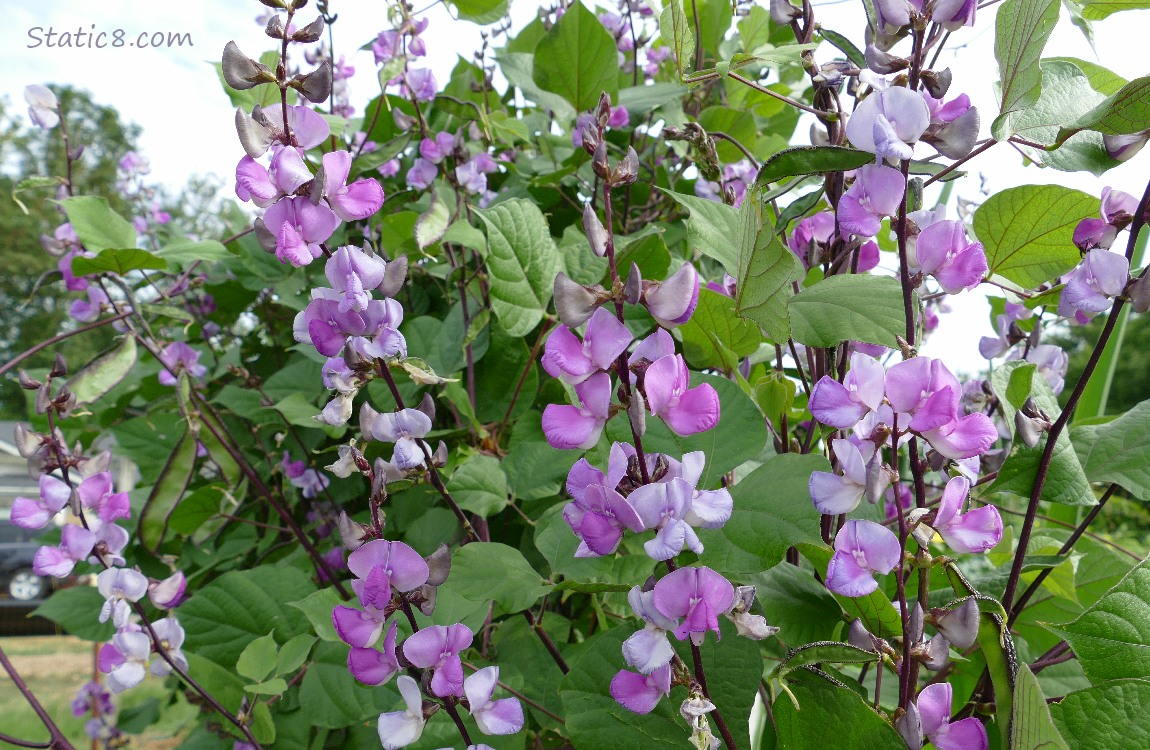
(25, 585)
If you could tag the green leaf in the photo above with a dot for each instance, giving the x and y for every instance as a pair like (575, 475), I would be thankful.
(97, 225)
(577, 59)
(714, 333)
(1103, 80)
(677, 34)
(480, 11)
(332, 697)
(767, 269)
(221, 618)
(274, 686)
(1127, 111)
(517, 68)
(168, 491)
(1028, 231)
(804, 160)
(480, 486)
(1112, 637)
(104, 372)
(432, 224)
(1066, 483)
(846, 46)
(650, 98)
(491, 571)
(875, 609)
(1021, 30)
(796, 603)
(1118, 451)
(595, 719)
(834, 652)
(773, 512)
(710, 229)
(185, 251)
(851, 307)
(317, 607)
(1098, 9)
(258, 659)
(118, 261)
(822, 705)
(1066, 94)
(1110, 715)
(523, 262)
(74, 610)
(1031, 727)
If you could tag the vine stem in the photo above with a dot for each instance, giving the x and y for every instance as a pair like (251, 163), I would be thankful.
(537, 626)
(701, 678)
(1064, 418)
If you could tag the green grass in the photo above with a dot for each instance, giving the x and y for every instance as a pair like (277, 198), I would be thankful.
(54, 668)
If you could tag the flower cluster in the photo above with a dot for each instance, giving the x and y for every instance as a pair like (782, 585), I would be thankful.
(392, 577)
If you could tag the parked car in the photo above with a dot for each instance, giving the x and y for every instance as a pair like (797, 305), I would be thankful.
(17, 548)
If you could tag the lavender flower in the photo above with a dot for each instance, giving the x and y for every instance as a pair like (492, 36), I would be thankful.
(862, 548)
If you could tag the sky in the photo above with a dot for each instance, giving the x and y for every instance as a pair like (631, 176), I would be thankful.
(187, 120)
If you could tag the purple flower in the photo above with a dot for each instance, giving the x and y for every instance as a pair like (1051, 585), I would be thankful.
(401, 728)
(308, 128)
(862, 548)
(437, 149)
(309, 481)
(421, 174)
(353, 202)
(35, 514)
(842, 405)
(372, 667)
(811, 232)
(648, 649)
(1124, 147)
(405, 428)
(178, 356)
(42, 106)
(373, 331)
(975, 531)
(354, 273)
(1101, 276)
(685, 410)
(421, 84)
(672, 301)
(124, 659)
(168, 593)
(437, 647)
(887, 124)
(674, 506)
(640, 693)
(953, 15)
(471, 177)
(994, 346)
(699, 595)
(567, 426)
(573, 361)
(877, 192)
(1052, 362)
(299, 226)
(503, 716)
(953, 126)
(386, 46)
(862, 475)
(619, 117)
(400, 566)
(934, 710)
(925, 390)
(946, 253)
(75, 544)
(894, 14)
(171, 634)
(119, 586)
(597, 513)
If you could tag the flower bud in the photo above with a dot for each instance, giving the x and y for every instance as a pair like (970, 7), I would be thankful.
(782, 12)
(914, 624)
(590, 136)
(275, 27)
(439, 458)
(1124, 147)
(168, 593)
(350, 461)
(43, 399)
(599, 161)
(241, 72)
(909, 727)
(936, 654)
(672, 301)
(937, 83)
(637, 413)
(27, 383)
(859, 637)
(595, 231)
(427, 406)
(27, 441)
(1028, 429)
(603, 109)
(574, 302)
(882, 62)
(394, 276)
(316, 85)
(59, 367)
(633, 287)
(627, 170)
(439, 565)
(255, 137)
(960, 625)
(402, 120)
(1139, 291)
(310, 33)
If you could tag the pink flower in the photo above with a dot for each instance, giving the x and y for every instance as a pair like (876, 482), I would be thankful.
(863, 475)
(934, 710)
(640, 693)
(672, 301)
(1090, 287)
(353, 202)
(299, 226)
(946, 253)
(699, 595)
(35, 514)
(498, 717)
(421, 174)
(567, 426)
(862, 548)
(888, 123)
(685, 410)
(877, 192)
(372, 667)
(573, 361)
(75, 545)
(842, 405)
(437, 647)
(975, 531)
(597, 513)
(178, 356)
